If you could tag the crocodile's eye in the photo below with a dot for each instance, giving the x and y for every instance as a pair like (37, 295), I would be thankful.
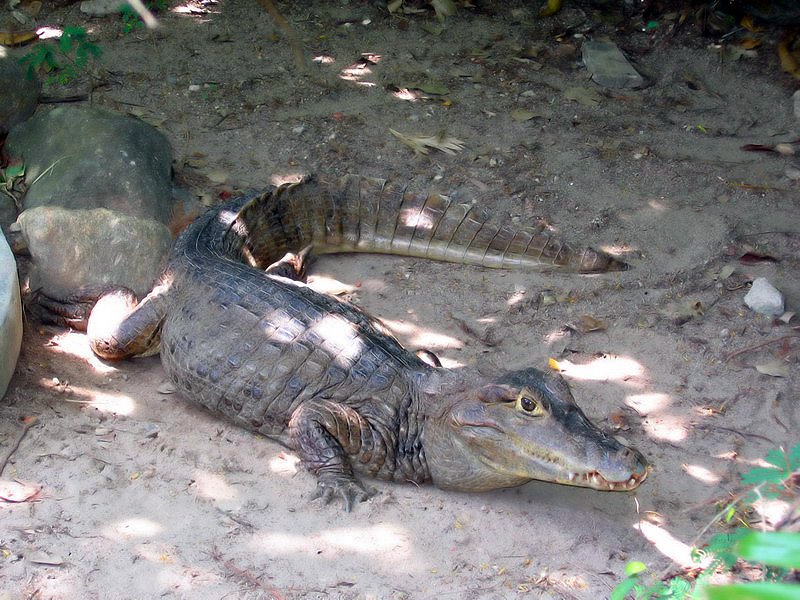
(531, 405)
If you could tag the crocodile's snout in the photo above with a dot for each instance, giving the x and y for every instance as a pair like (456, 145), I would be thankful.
(619, 468)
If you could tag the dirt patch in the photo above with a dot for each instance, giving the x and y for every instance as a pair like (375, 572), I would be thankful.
(145, 496)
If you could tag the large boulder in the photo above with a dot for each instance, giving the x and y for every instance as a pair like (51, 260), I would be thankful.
(10, 315)
(98, 201)
(84, 157)
(19, 95)
(92, 247)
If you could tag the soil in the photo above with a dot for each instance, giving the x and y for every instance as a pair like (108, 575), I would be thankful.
(143, 495)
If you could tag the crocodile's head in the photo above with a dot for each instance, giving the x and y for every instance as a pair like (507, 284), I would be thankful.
(523, 426)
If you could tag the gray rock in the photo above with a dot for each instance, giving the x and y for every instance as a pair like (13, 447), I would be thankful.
(101, 8)
(83, 157)
(10, 315)
(608, 65)
(764, 298)
(18, 94)
(74, 248)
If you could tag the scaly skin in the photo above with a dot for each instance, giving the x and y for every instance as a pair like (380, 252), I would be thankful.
(319, 376)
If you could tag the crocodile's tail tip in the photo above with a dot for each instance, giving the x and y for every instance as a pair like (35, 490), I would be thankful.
(600, 262)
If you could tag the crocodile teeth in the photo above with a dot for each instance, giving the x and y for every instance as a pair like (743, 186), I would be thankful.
(572, 476)
(632, 481)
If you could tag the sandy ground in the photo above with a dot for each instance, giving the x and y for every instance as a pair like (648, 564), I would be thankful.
(145, 496)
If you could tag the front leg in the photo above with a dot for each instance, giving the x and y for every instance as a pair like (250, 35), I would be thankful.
(326, 435)
(117, 324)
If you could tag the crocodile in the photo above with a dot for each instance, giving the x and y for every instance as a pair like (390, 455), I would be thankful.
(242, 335)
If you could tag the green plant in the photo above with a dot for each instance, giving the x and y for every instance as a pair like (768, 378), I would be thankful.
(773, 554)
(64, 60)
(131, 19)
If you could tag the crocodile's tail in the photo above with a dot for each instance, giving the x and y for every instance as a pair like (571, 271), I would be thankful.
(359, 214)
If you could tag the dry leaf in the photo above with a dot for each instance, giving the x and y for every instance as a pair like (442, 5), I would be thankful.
(788, 60)
(42, 558)
(551, 8)
(443, 8)
(520, 114)
(18, 491)
(394, 6)
(13, 38)
(420, 144)
(589, 323)
(774, 368)
(553, 364)
(167, 388)
(585, 96)
(726, 271)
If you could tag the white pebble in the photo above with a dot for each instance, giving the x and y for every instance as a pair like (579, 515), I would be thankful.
(764, 298)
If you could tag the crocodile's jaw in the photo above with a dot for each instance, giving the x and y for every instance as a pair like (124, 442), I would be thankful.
(487, 440)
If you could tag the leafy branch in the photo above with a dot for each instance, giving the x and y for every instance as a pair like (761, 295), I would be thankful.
(774, 554)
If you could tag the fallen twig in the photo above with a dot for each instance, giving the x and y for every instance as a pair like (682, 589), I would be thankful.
(246, 575)
(288, 31)
(761, 345)
(26, 426)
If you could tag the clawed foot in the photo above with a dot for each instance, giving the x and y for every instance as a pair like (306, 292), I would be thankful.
(349, 490)
(72, 311)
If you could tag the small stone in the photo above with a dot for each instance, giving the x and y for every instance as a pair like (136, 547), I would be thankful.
(764, 298)
(724, 333)
(100, 8)
(608, 65)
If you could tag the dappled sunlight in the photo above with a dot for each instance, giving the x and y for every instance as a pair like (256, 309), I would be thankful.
(323, 59)
(557, 335)
(134, 527)
(361, 69)
(284, 464)
(328, 285)
(648, 403)
(212, 486)
(517, 297)
(405, 94)
(372, 540)
(617, 250)
(701, 474)
(107, 402)
(668, 545)
(772, 511)
(278, 179)
(422, 338)
(666, 427)
(76, 344)
(340, 337)
(608, 367)
(657, 205)
(49, 33)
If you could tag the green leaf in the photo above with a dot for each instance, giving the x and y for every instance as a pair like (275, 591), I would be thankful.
(634, 568)
(761, 475)
(776, 457)
(65, 42)
(794, 458)
(775, 548)
(754, 591)
(623, 588)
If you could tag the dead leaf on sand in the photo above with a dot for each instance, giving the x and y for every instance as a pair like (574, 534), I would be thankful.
(773, 368)
(18, 491)
(420, 144)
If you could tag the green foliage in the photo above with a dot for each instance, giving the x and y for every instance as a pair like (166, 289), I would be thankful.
(775, 552)
(62, 61)
(131, 20)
